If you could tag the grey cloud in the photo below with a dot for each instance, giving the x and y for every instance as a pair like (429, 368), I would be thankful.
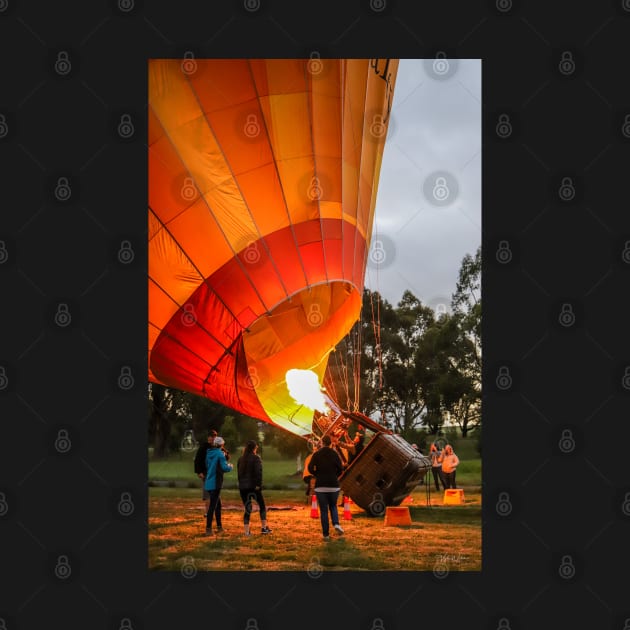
(437, 128)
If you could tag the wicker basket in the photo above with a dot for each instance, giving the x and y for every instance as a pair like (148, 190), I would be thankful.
(384, 473)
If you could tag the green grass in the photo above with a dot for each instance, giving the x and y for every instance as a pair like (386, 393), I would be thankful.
(277, 473)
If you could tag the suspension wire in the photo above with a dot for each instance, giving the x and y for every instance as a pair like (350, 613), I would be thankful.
(380, 347)
(427, 483)
(329, 383)
(348, 365)
(349, 348)
(357, 366)
(337, 366)
(376, 328)
(353, 345)
(345, 360)
(342, 368)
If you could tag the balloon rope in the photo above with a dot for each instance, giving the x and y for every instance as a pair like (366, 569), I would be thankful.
(342, 370)
(377, 332)
(376, 327)
(357, 368)
(380, 350)
(344, 363)
(329, 384)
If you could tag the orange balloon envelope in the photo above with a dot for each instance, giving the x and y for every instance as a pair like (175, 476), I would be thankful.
(263, 176)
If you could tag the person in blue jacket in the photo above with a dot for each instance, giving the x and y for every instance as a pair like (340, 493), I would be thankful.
(216, 465)
(201, 470)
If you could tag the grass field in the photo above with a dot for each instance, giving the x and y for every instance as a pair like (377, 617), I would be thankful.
(440, 538)
(279, 473)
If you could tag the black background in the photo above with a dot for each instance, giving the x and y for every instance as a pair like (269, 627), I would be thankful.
(570, 506)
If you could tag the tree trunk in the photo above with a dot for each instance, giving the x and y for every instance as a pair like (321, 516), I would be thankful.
(465, 422)
(161, 421)
(200, 430)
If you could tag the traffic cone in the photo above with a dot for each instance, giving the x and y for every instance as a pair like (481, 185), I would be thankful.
(347, 514)
(314, 510)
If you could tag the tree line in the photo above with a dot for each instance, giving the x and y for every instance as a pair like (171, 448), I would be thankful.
(418, 368)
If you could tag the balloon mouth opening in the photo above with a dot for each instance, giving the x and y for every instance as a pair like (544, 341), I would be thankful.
(287, 351)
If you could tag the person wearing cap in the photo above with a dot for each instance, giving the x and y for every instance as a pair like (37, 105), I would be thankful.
(250, 471)
(216, 465)
(326, 466)
(201, 470)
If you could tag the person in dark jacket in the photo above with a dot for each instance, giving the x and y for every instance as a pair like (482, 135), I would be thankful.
(250, 470)
(326, 466)
(216, 465)
(309, 480)
(200, 467)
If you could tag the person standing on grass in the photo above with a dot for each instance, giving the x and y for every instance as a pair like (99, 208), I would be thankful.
(449, 462)
(309, 480)
(326, 466)
(250, 471)
(216, 465)
(436, 467)
(201, 470)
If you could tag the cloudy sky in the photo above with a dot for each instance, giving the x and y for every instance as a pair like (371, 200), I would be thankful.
(428, 210)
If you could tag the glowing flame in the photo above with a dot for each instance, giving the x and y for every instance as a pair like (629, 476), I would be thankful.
(304, 388)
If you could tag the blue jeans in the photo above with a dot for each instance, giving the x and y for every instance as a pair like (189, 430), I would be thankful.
(327, 501)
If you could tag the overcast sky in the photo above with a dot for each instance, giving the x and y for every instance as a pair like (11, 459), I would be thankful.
(428, 209)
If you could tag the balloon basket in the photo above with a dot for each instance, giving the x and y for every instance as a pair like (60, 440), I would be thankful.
(384, 473)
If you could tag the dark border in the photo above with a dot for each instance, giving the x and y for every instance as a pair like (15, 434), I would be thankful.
(552, 189)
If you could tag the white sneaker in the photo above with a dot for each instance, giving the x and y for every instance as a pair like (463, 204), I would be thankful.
(338, 528)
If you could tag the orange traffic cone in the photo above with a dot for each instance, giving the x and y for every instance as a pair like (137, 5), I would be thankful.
(347, 514)
(314, 510)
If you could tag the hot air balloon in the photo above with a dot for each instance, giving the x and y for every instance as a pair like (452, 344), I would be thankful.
(263, 177)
